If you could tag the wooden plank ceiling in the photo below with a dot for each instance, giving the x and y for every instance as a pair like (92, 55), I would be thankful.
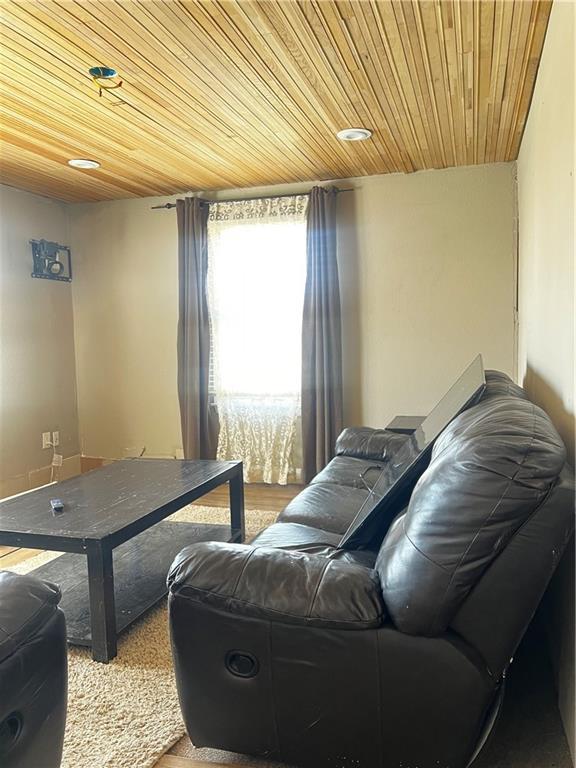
(235, 93)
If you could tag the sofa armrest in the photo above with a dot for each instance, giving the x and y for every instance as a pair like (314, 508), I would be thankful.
(278, 585)
(368, 443)
(26, 604)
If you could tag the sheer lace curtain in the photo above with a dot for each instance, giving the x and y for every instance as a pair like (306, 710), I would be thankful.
(256, 279)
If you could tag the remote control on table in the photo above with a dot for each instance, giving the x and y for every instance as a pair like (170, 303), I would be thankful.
(57, 506)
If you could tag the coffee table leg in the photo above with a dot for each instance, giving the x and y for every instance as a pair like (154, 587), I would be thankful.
(237, 505)
(102, 605)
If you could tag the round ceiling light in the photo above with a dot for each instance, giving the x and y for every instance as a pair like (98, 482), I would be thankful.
(81, 162)
(354, 134)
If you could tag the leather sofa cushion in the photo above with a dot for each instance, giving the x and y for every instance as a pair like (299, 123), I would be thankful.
(303, 538)
(327, 506)
(26, 604)
(268, 583)
(295, 536)
(355, 473)
(490, 470)
(497, 611)
(499, 384)
(367, 443)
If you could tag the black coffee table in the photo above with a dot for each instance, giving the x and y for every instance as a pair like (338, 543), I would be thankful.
(120, 551)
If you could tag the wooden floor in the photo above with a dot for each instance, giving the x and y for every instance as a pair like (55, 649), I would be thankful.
(10, 556)
(173, 761)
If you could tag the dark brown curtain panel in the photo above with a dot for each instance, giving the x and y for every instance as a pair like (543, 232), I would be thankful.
(199, 421)
(321, 336)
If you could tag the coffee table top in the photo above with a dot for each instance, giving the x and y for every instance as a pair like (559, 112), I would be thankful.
(113, 498)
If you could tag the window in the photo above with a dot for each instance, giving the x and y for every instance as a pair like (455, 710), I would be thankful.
(256, 280)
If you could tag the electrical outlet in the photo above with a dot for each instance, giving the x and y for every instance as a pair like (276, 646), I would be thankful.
(57, 460)
(55, 438)
(46, 440)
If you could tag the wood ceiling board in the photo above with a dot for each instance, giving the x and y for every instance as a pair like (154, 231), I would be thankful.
(151, 99)
(90, 134)
(236, 93)
(539, 33)
(54, 76)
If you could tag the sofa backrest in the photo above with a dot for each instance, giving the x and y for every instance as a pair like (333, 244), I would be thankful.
(490, 470)
(496, 613)
(499, 384)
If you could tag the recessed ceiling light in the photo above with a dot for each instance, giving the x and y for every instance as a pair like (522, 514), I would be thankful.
(81, 162)
(354, 134)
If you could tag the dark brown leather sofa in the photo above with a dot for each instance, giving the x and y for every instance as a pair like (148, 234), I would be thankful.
(33, 673)
(393, 655)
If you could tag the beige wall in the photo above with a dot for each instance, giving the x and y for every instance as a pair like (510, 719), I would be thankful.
(435, 260)
(125, 306)
(546, 230)
(37, 366)
(546, 289)
(427, 281)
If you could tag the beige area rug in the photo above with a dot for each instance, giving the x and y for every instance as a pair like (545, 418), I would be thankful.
(185, 748)
(125, 714)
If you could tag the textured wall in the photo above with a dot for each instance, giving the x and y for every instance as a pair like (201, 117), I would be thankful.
(126, 312)
(37, 365)
(435, 254)
(546, 289)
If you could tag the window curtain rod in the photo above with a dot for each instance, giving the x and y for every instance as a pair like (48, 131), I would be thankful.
(246, 199)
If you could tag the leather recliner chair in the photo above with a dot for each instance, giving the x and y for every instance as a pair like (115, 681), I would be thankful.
(393, 655)
(33, 673)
